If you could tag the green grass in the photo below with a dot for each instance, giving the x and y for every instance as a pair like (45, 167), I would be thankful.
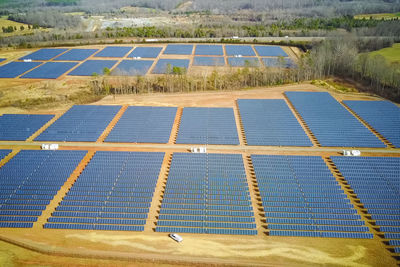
(378, 16)
(391, 54)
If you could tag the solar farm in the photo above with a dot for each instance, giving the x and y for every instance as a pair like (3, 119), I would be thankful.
(139, 60)
(272, 186)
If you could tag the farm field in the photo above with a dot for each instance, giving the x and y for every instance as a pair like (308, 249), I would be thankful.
(150, 244)
(4, 22)
(391, 54)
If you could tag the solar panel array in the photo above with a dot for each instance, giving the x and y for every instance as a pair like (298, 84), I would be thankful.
(29, 181)
(165, 65)
(243, 61)
(208, 126)
(269, 122)
(177, 49)
(207, 193)
(90, 67)
(383, 116)
(301, 197)
(270, 51)
(114, 51)
(330, 122)
(44, 54)
(278, 62)
(209, 50)
(76, 54)
(20, 126)
(83, 123)
(209, 61)
(114, 192)
(236, 50)
(144, 125)
(376, 181)
(14, 69)
(146, 52)
(50, 70)
(132, 67)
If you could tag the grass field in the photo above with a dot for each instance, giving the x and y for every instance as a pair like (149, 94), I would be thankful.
(391, 54)
(4, 22)
(378, 16)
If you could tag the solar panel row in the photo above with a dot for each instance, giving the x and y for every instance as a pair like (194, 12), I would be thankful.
(376, 181)
(44, 54)
(21, 126)
(132, 67)
(269, 122)
(76, 54)
(92, 67)
(146, 52)
(383, 116)
(330, 122)
(287, 183)
(50, 70)
(144, 125)
(14, 69)
(207, 126)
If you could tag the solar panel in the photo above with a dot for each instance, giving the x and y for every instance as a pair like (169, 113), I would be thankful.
(50, 70)
(208, 126)
(209, 50)
(168, 65)
(278, 62)
(294, 191)
(375, 181)
(21, 126)
(209, 61)
(76, 54)
(270, 51)
(269, 122)
(14, 69)
(114, 51)
(330, 122)
(383, 116)
(243, 62)
(243, 50)
(90, 67)
(144, 125)
(146, 52)
(176, 49)
(83, 123)
(109, 174)
(132, 67)
(217, 213)
(23, 188)
(44, 54)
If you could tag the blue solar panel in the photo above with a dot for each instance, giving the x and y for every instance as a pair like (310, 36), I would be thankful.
(144, 125)
(218, 213)
(76, 54)
(243, 50)
(269, 122)
(176, 49)
(278, 62)
(330, 122)
(209, 61)
(25, 186)
(294, 191)
(209, 50)
(14, 69)
(375, 181)
(45, 54)
(167, 65)
(243, 62)
(21, 126)
(208, 126)
(383, 116)
(111, 173)
(114, 51)
(132, 67)
(80, 123)
(270, 51)
(90, 67)
(50, 70)
(146, 52)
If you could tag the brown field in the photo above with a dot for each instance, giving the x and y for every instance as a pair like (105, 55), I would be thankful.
(38, 246)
